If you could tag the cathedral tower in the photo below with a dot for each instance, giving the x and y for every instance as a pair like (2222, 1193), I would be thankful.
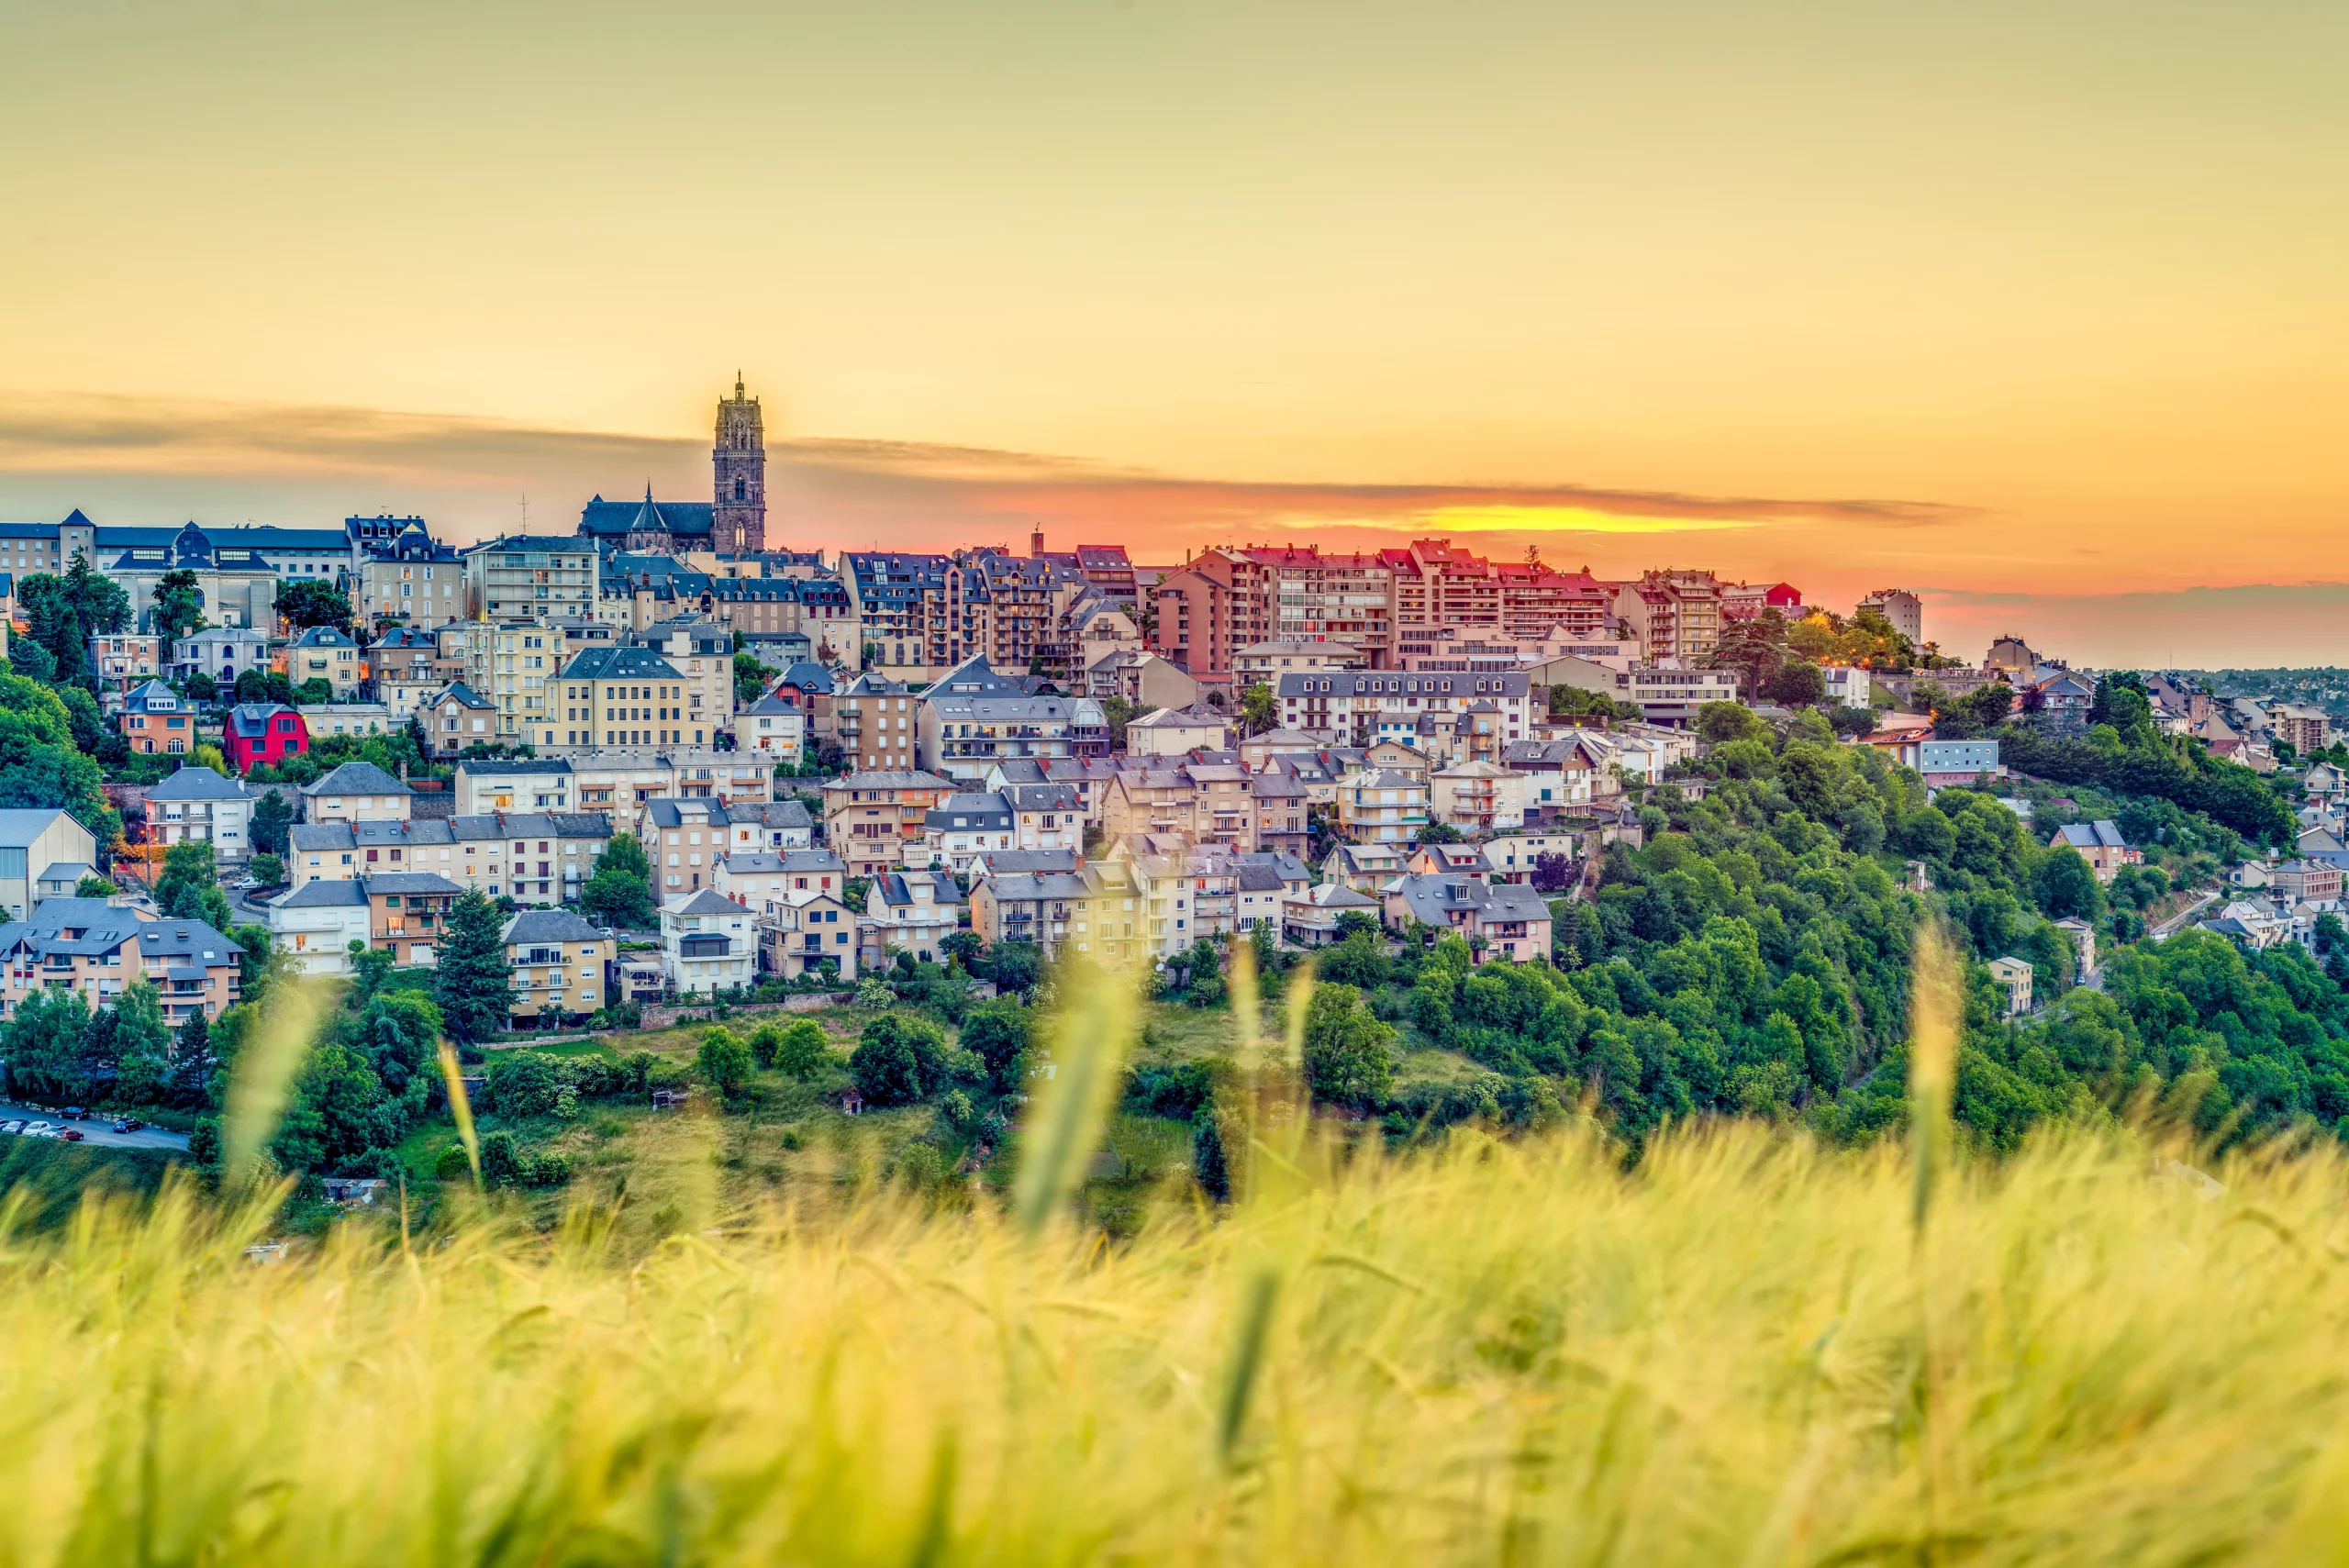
(738, 520)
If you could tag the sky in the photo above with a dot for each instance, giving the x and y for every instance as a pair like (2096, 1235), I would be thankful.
(2035, 309)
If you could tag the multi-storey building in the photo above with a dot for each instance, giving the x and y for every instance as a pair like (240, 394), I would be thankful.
(525, 576)
(559, 963)
(1382, 808)
(408, 914)
(910, 621)
(97, 949)
(703, 655)
(454, 719)
(1150, 800)
(408, 579)
(405, 666)
(1345, 708)
(120, 660)
(622, 699)
(356, 792)
(1675, 613)
(873, 724)
(540, 857)
(973, 718)
(197, 806)
(707, 944)
(156, 719)
(223, 653)
(1539, 601)
(912, 912)
(871, 817)
(620, 781)
(324, 653)
(519, 784)
(1500, 920)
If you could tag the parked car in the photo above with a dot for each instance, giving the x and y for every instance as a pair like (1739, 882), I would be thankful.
(74, 1113)
(246, 883)
(12, 1126)
(71, 1134)
(127, 1124)
(40, 1129)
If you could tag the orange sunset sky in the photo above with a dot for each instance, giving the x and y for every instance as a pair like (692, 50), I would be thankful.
(2038, 309)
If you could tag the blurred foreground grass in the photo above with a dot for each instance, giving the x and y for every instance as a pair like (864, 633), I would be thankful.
(1740, 1353)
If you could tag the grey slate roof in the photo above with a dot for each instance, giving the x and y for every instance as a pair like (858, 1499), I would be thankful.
(2099, 834)
(549, 925)
(518, 767)
(197, 783)
(786, 863)
(1049, 884)
(709, 902)
(408, 881)
(1014, 862)
(624, 664)
(323, 894)
(321, 836)
(962, 812)
(357, 778)
(894, 888)
(1432, 899)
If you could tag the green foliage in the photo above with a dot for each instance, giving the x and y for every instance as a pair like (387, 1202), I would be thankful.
(271, 817)
(723, 1061)
(1014, 966)
(2148, 763)
(268, 869)
(899, 1059)
(621, 891)
(472, 981)
(1258, 710)
(41, 765)
(998, 1033)
(801, 1050)
(307, 602)
(179, 605)
(1349, 1054)
(750, 679)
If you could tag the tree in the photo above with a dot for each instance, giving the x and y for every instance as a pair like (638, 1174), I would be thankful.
(267, 869)
(1118, 713)
(473, 982)
(317, 689)
(620, 893)
(998, 1031)
(1551, 873)
(963, 947)
(189, 889)
(142, 1044)
(723, 1061)
(271, 817)
(1852, 721)
(1349, 1054)
(1210, 1166)
(2067, 886)
(201, 687)
(1721, 722)
(89, 726)
(314, 602)
(1439, 833)
(1258, 711)
(43, 1043)
(750, 679)
(189, 1083)
(40, 765)
(802, 1049)
(400, 1031)
(1014, 966)
(898, 1060)
(179, 605)
(1797, 686)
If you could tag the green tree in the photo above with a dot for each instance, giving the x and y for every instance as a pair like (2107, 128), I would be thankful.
(89, 726)
(189, 1086)
(179, 605)
(1797, 686)
(1349, 1054)
(898, 1060)
(267, 869)
(271, 817)
(724, 1061)
(998, 1032)
(42, 766)
(400, 1031)
(1014, 966)
(1258, 710)
(1210, 1165)
(472, 981)
(142, 1044)
(621, 891)
(43, 1044)
(802, 1049)
(312, 602)
(2066, 885)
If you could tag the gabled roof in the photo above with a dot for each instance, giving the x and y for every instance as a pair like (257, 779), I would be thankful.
(356, 778)
(323, 894)
(706, 902)
(508, 768)
(549, 925)
(458, 693)
(626, 662)
(193, 783)
(409, 882)
(323, 637)
(2099, 834)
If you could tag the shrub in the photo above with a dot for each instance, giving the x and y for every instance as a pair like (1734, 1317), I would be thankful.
(724, 1061)
(803, 1049)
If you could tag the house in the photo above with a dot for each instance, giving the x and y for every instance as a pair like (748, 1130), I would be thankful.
(1263, 882)
(2013, 977)
(1558, 774)
(405, 670)
(1382, 808)
(972, 718)
(156, 720)
(1151, 799)
(1512, 857)
(121, 659)
(1500, 920)
(484, 785)
(805, 930)
(773, 726)
(962, 825)
(1257, 751)
(258, 735)
(1183, 895)
(1365, 868)
(2306, 881)
(317, 922)
(707, 944)
(1223, 809)
(454, 719)
(870, 817)
(559, 960)
(1140, 679)
(407, 913)
(913, 912)
(760, 880)
(1011, 863)
(2100, 844)
(684, 840)
(1045, 816)
(356, 792)
(352, 718)
(1309, 919)
(1284, 818)
(1478, 797)
(221, 652)
(773, 825)
(1958, 762)
(97, 947)
(323, 653)
(1175, 731)
(2083, 937)
(197, 805)
(32, 839)
(872, 721)
(1345, 708)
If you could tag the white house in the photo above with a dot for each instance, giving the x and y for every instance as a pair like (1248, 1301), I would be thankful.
(198, 806)
(1478, 797)
(348, 718)
(912, 912)
(774, 725)
(317, 923)
(707, 944)
(1173, 731)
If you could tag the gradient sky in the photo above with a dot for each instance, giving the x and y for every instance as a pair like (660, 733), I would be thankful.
(2039, 307)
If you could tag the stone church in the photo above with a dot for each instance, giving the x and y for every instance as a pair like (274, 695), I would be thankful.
(732, 522)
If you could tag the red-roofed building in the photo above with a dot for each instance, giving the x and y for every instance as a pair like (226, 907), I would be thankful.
(261, 734)
(1744, 601)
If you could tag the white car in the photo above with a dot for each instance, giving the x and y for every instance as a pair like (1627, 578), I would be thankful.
(12, 1126)
(40, 1129)
(246, 883)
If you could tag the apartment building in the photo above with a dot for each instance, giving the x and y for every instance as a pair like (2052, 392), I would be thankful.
(356, 792)
(810, 933)
(873, 724)
(764, 881)
(1500, 920)
(407, 914)
(409, 580)
(315, 923)
(525, 783)
(871, 817)
(524, 577)
(707, 944)
(973, 719)
(223, 653)
(1670, 694)
(1344, 708)
(623, 699)
(511, 664)
(1676, 612)
(914, 619)
(1382, 808)
(559, 963)
(98, 948)
(1150, 800)
(1478, 797)
(406, 670)
(911, 912)
(538, 857)
(619, 782)
(703, 656)
(121, 659)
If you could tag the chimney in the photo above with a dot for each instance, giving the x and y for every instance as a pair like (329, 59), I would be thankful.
(1036, 545)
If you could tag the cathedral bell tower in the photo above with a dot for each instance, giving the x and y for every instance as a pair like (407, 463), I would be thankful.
(739, 519)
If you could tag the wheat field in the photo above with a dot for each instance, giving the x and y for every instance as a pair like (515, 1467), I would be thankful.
(1745, 1350)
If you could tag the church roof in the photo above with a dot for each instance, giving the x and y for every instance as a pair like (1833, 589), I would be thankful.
(610, 522)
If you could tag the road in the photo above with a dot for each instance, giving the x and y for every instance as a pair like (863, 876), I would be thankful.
(98, 1134)
(2178, 919)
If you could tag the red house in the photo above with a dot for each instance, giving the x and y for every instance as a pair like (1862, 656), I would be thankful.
(262, 732)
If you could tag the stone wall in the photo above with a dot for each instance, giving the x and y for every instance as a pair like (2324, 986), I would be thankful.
(806, 1002)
